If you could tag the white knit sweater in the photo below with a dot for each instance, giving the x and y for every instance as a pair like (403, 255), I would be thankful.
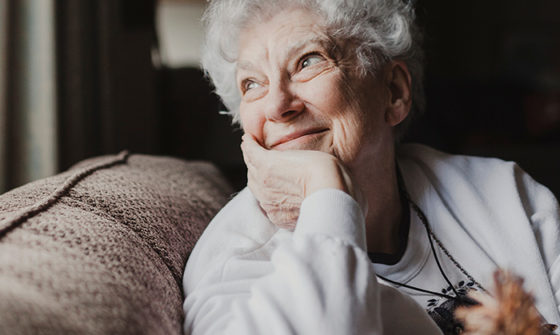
(246, 276)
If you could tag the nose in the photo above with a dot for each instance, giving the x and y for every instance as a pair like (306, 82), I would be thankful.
(282, 103)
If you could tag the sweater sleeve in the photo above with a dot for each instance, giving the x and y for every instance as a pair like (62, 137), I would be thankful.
(544, 214)
(319, 280)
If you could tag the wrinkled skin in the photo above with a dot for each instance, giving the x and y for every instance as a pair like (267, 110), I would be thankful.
(312, 122)
(280, 180)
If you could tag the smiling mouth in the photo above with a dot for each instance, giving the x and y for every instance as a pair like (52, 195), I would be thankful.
(297, 135)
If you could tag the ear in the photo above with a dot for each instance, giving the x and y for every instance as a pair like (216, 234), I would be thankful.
(398, 82)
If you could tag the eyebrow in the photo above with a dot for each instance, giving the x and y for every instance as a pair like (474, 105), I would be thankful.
(300, 45)
(293, 49)
(245, 65)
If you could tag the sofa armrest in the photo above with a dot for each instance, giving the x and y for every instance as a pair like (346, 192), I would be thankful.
(100, 248)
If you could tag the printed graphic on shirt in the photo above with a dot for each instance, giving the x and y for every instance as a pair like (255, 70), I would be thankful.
(442, 309)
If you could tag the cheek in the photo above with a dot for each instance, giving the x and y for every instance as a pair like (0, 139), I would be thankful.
(252, 121)
(348, 135)
(347, 119)
(326, 94)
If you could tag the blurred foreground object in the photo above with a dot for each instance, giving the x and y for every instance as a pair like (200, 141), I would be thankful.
(510, 311)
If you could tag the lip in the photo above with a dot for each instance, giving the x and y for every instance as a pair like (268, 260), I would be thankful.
(297, 134)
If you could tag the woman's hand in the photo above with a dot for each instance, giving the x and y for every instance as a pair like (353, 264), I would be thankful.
(280, 180)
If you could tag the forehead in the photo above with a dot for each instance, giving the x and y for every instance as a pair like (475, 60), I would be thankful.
(279, 34)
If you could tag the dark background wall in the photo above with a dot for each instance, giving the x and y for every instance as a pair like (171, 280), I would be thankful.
(107, 83)
(492, 84)
(493, 81)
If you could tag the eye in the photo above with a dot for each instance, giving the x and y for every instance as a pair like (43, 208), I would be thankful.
(310, 60)
(249, 84)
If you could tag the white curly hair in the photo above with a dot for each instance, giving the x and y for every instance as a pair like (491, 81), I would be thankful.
(382, 30)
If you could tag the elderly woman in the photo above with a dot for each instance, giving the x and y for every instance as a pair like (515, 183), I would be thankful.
(341, 231)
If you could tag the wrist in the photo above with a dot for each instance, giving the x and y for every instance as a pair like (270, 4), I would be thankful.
(327, 175)
(334, 175)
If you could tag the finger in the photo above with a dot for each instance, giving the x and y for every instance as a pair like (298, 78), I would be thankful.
(250, 142)
(251, 149)
(257, 188)
(248, 160)
(253, 185)
(248, 157)
(250, 138)
(286, 219)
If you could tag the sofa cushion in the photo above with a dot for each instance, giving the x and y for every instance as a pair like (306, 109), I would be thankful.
(100, 248)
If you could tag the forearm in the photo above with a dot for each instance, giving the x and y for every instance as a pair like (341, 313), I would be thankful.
(318, 281)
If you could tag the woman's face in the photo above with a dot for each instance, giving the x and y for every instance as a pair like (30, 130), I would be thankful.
(301, 91)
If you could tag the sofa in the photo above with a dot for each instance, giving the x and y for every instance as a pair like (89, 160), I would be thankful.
(101, 248)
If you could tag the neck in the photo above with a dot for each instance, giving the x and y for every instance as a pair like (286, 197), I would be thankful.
(384, 217)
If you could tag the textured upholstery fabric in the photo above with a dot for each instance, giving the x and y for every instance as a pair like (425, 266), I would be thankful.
(100, 249)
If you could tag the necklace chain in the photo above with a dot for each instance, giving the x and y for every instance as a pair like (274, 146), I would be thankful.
(547, 328)
(432, 237)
